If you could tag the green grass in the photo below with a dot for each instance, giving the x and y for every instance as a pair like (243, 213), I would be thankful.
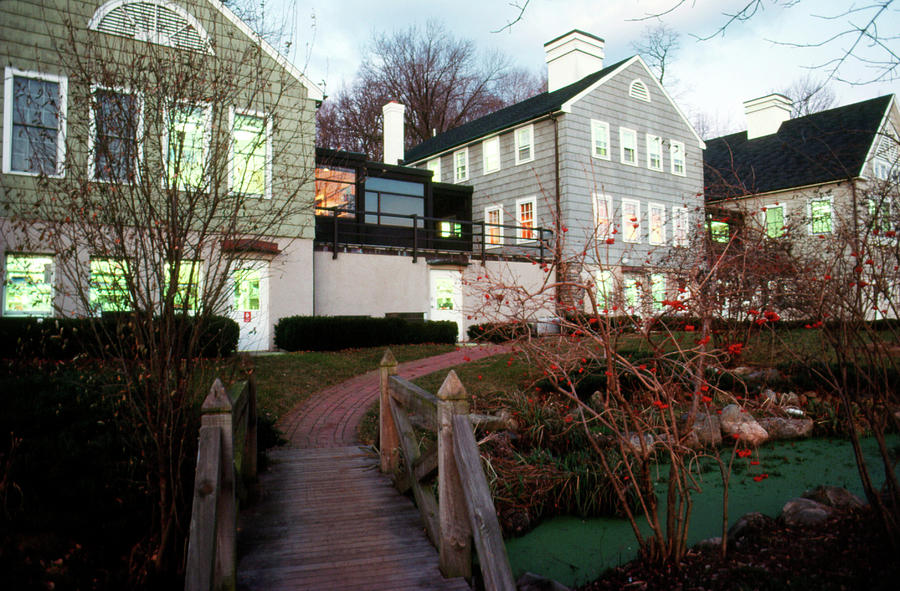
(284, 380)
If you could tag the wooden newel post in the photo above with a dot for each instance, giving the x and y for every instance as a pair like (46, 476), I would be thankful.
(388, 439)
(455, 546)
(217, 412)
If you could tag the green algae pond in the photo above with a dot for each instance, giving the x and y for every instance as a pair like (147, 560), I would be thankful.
(575, 551)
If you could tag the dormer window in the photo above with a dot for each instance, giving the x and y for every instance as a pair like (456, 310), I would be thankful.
(153, 21)
(638, 90)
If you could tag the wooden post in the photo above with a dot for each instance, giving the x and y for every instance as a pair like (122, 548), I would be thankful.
(217, 412)
(202, 538)
(455, 547)
(388, 440)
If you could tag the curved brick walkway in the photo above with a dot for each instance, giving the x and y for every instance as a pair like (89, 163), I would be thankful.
(329, 418)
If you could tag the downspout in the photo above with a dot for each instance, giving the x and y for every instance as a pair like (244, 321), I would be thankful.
(557, 244)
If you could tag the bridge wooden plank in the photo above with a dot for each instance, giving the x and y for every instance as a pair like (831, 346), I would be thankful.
(329, 520)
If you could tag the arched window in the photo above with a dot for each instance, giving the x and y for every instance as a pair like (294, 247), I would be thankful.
(639, 91)
(153, 21)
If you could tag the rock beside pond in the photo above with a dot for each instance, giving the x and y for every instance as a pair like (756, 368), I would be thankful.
(764, 374)
(834, 496)
(708, 429)
(533, 582)
(802, 512)
(783, 399)
(786, 428)
(737, 422)
(749, 525)
(633, 444)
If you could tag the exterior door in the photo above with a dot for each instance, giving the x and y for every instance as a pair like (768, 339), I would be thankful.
(251, 305)
(445, 290)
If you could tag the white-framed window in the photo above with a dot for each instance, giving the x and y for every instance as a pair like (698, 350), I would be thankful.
(153, 21)
(490, 154)
(250, 158)
(109, 285)
(187, 285)
(774, 220)
(603, 216)
(880, 219)
(606, 289)
(631, 220)
(525, 144)
(654, 152)
(632, 292)
(34, 123)
(820, 212)
(639, 90)
(526, 214)
(28, 285)
(676, 155)
(599, 139)
(187, 145)
(493, 226)
(628, 146)
(461, 165)
(656, 216)
(885, 171)
(658, 290)
(117, 133)
(434, 165)
(680, 223)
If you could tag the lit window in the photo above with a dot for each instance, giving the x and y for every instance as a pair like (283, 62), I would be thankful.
(679, 226)
(605, 289)
(774, 219)
(654, 152)
(676, 154)
(599, 139)
(115, 135)
(880, 215)
(628, 141)
(34, 116)
(187, 285)
(656, 212)
(525, 144)
(461, 165)
(251, 155)
(631, 220)
(493, 226)
(603, 216)
(449, 229)
(434, 165)
(109, 285)
(188, 135)
(28, 285)
(525, 218)
(246, 289)
(719, 231)
(658, 290)
(490, 150)
(631, 292)
(335, 191)
(821, 216)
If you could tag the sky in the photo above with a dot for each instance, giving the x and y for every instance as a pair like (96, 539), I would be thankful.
(713, 77)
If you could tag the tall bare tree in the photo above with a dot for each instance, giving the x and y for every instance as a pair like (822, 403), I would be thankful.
(443, 81)
(809, 96)
(658, 46)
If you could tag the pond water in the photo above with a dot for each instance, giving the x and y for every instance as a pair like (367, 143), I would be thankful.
(575, 551)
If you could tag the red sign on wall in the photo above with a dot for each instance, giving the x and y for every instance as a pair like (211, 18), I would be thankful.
(247, 316)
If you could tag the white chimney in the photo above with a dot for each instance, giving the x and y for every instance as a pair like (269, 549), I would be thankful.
(766, 114)
(393, 132)
(571, 57)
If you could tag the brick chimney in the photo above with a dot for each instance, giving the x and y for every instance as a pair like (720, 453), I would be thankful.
(571, 57)
(766, 114)
(393, 132)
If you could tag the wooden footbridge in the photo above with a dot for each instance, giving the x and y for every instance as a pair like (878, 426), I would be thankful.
(330, 519)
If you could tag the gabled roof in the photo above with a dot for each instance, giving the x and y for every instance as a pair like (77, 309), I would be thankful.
(532, 108)
(824, 147)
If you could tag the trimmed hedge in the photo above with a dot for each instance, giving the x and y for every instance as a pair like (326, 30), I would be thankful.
(499, 332)
(332, 333)
(66, 338)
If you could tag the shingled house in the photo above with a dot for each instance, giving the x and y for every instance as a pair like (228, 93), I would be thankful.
(605, 156)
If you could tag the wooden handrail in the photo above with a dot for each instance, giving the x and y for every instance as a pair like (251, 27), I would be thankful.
(466, 509)
(227, 448)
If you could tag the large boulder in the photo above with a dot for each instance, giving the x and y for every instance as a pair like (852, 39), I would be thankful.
(738, 423)
(751, 524)
(802, 512)
(834, 496)
(786, 428)
(707, 429)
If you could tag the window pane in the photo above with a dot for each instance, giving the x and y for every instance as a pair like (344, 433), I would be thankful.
(187, 147)
(632, 294)
(599, 139)
(336, 187)
(774, 222)
(523, 144)
(395, 186)
(246, 289)
(248, 175)
(631, 221)
(604, 290)
(108, 285)
(719, 231)
(35, 125)
(526, 220)
(820, 216)
(28, 288)
(187, 288)
(116, 123)
(658, 290)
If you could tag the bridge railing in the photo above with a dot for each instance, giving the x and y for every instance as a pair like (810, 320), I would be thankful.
(463, 509)
(227, 449)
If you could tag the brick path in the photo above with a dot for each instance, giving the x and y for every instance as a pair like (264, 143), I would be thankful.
(330, 418)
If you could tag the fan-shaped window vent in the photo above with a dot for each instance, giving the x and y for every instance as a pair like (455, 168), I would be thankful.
(153, 21)
(639, 91)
